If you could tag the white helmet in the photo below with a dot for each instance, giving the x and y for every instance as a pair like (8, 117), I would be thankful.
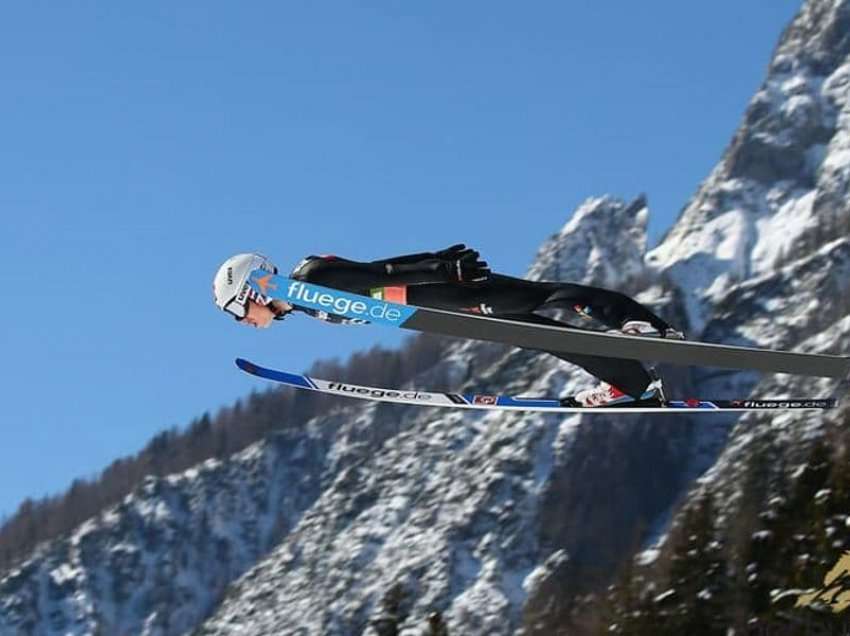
(231, 291)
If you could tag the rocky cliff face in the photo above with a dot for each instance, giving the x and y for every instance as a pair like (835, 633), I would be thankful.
(603, 243)
(760, 255)
(379, 516)
(161, 560)
(779, 193)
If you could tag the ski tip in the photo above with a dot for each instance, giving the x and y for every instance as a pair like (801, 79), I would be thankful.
(246, 366)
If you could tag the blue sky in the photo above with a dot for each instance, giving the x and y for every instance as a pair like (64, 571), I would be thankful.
(142, 145)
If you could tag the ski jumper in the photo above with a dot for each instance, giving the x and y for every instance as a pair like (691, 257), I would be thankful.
(418, 279)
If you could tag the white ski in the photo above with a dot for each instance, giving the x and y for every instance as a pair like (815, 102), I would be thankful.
(416, 397)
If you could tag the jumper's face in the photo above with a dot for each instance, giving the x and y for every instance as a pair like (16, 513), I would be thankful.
(258, 315)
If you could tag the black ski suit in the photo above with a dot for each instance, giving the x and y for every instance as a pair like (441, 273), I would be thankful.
(415, 276)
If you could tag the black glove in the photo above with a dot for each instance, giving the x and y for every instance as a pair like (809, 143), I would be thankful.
(454, 252)
(463, 264)
(466, 268)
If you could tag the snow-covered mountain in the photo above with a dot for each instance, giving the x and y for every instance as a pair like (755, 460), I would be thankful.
(460, 514)
(779, 193)
(160, 561)
(378, 516)
(760, 254)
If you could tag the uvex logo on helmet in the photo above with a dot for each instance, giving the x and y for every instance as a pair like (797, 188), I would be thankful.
(243, 294)
(229, 275)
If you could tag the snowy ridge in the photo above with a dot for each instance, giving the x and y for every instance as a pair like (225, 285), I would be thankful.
(779, 188)
(591, 248)
(792, 290)
(467, 552)
(160, 561)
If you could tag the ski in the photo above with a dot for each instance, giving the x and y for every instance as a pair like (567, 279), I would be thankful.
(416, 397)
(544, 337)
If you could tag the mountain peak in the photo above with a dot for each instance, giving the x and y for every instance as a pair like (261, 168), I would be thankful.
(780, 189)
(603, 243)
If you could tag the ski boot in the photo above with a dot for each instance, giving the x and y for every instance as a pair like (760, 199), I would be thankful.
(643, 328)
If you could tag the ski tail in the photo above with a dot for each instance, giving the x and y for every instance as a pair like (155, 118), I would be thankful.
(758, 405)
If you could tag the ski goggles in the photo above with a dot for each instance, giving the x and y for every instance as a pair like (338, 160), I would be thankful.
(237, 309)
(238, 305)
